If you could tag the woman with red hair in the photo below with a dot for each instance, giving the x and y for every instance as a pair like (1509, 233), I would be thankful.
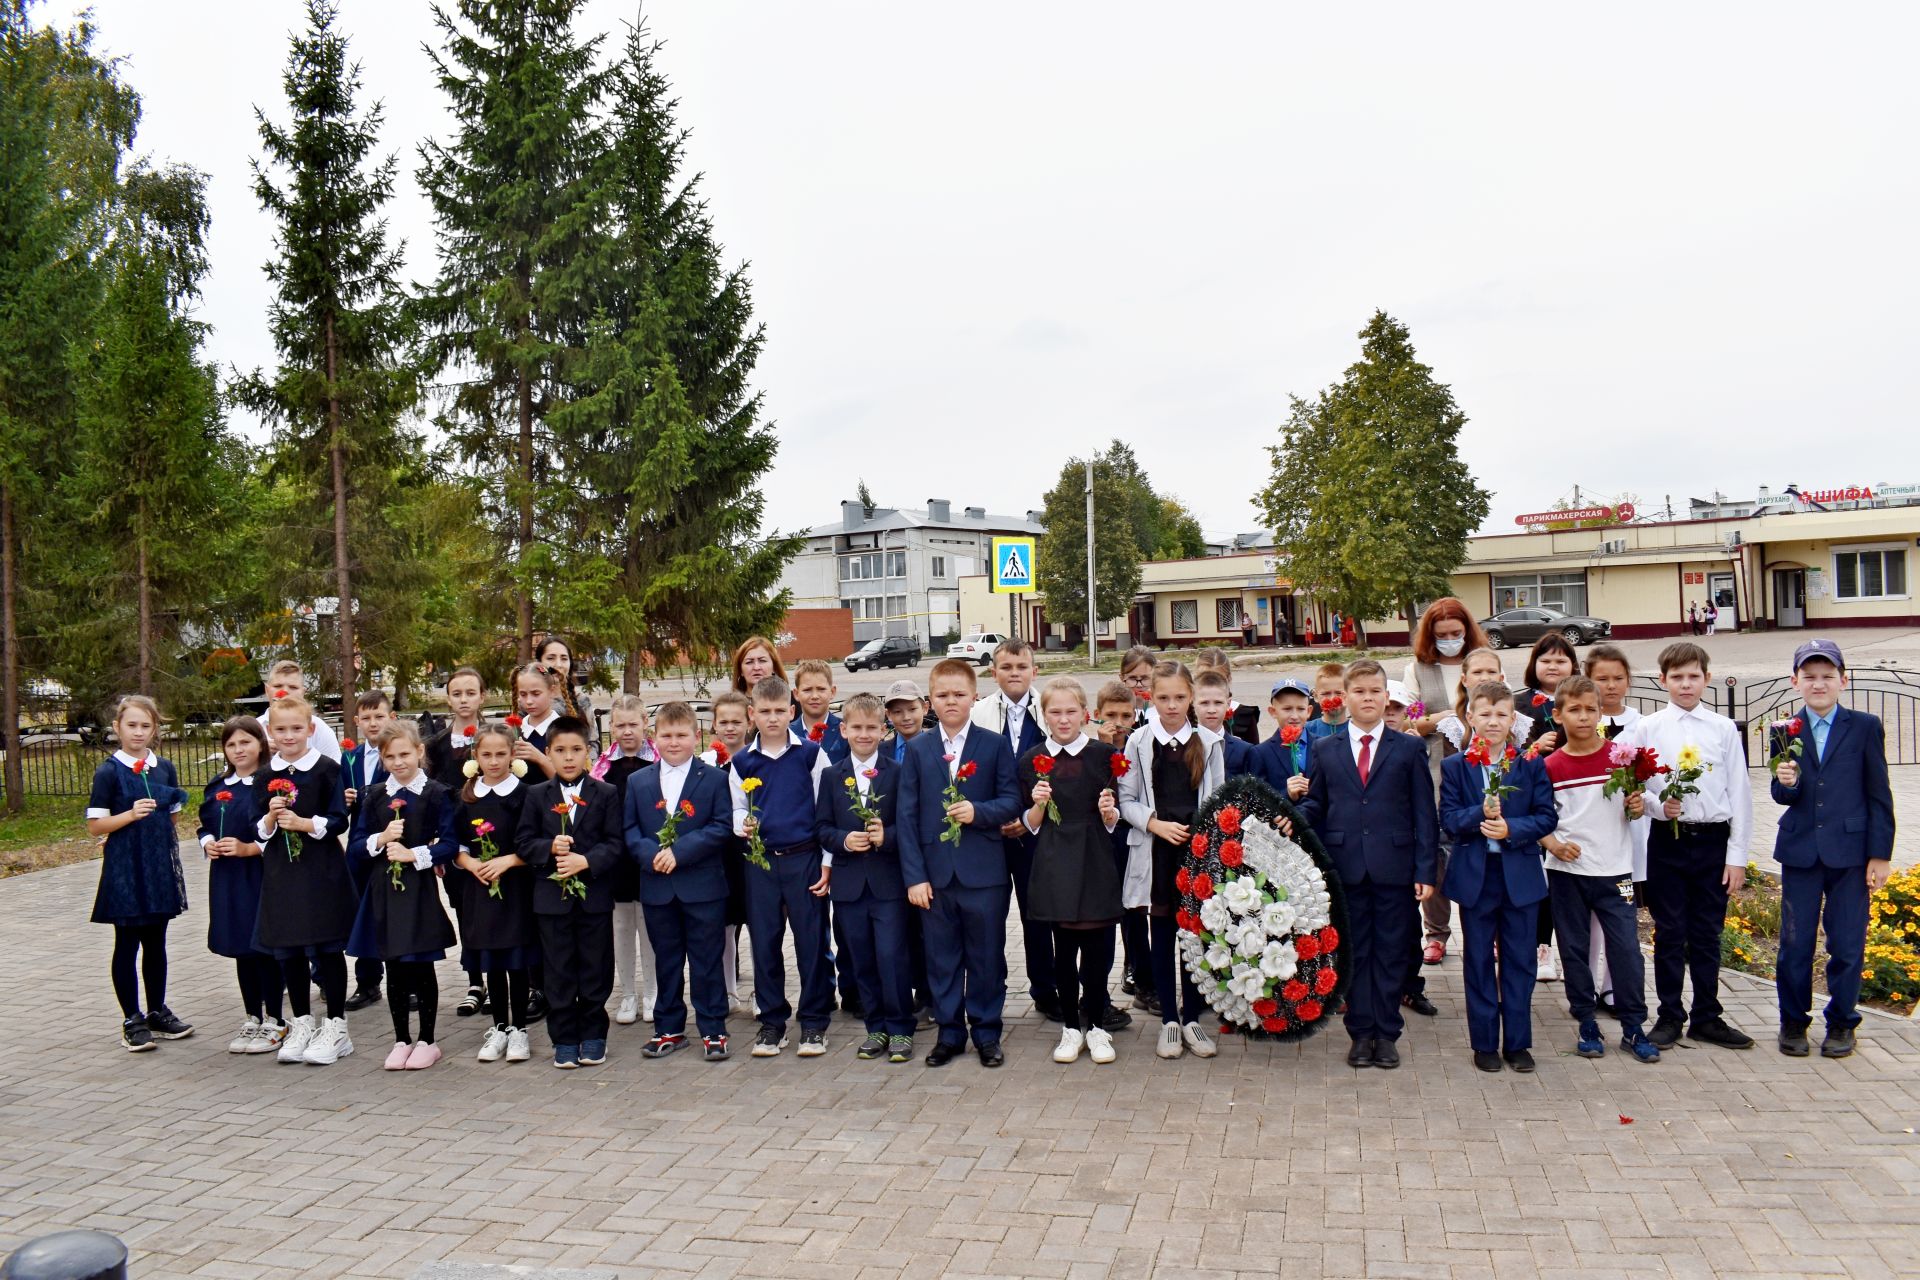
(1443, 637)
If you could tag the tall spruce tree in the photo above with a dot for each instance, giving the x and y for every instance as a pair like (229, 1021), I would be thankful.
(66, 120)
(518, 197)
(345, 383)
(665, 437)
(1383, 442)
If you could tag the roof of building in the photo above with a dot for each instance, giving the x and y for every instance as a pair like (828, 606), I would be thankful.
(973, 519)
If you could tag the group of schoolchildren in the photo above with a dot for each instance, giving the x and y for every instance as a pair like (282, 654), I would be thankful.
(892, 845)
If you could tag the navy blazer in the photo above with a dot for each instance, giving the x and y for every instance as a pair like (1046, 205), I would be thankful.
(1386, 831)
(875, 870)
(595, 828)
(1239, 756)
(1530, 814)
(1032, 734)
(698, 874)
(1841, 814)
(1273, 761)
(350, 780)
(979, 860)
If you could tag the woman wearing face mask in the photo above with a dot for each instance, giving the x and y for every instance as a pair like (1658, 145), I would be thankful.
(1446, 633)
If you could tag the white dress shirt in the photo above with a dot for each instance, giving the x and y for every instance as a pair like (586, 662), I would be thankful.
(1355, 733)
(861, 782)
(305, 762)
(952, 747)
(673, 780)
(321, 738)
(1726, 792)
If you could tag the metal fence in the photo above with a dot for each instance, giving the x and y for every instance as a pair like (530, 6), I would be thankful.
(1890, 693)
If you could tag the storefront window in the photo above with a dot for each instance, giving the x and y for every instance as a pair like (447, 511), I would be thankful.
(1870, 574)
(1226, 615)
(1566, 592)
(1186, 615)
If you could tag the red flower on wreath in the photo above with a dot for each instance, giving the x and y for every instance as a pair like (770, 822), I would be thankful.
(1203, 886)
(1231, 853)
(1295, 991)
(1042, 765)
(1329, 938)
(1199, 844)
(1188, 920)
(1309, 1011)
(1230, 820)
(1307, 947)
(1266, 1007)
(1275, 1023)
(1183, 881)
(1324, 982)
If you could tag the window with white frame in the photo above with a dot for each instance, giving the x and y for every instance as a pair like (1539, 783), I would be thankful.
(1870, 573)
(1186, 616)
(896, 564)
(896, 606)
(939, 570)
(1226, 614)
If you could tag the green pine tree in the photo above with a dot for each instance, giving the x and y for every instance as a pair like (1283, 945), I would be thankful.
(518, 197)
(1179, 534)
(345, 383)
(1060, 560)
(665, 436)
(1370, 503)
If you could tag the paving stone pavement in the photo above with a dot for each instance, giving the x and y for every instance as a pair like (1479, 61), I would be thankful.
(1268, 1160)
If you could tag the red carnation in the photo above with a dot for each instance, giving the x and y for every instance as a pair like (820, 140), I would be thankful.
(1199, 844)
(1309, 1010)
(964, 772)
(720, 753)
(1043, 765)
(1203, 886)
(1266, 1007)
(1539, 699)
(1188, 920)
(1512, 752)
(1231, 853)
(818, 732)
(1229, 819)
(1329, 938)
(1324, 982)
(1332, 702)
(1183, 881)
(1273, 1024)
(1307, 947)
(1794, 725)
(1294, 992)
(347, 744)
(470, 730)
(139, 767)
(514, 722)
(1118, 765)
(223, 796)
(279, 693)
(1289, 734)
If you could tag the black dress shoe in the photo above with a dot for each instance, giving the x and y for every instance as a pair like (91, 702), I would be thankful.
(1838, 1044)
(1606, 1008)
(1126, 981)
(1115, 1019)
(1486, 1061)
(1047, 1007)
(1361, 1055)
(1665, 1033)
(362, 997)
(1418, 1002)
(1793, 1042)
(1386, 1055)
(990, 1055)
(1716, 1031)
(1519, 1059)
(851, 1006)
(943, 1053)
(536, 1005)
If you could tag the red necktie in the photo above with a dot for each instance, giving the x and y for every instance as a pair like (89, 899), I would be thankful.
(1366, 756)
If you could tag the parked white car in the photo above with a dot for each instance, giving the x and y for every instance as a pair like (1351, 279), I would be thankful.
(976, 648)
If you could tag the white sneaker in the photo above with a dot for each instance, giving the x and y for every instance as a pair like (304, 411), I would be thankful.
(629, 1010)
(1549, 966)
(493, 1045)
(646, 1011)
(249, 1032)
(299, 1036)
(1100, 1046)
(1068, 1050)
(1169, 1046)
(330, 1043)
(1198, 1041)
(272, 1032)
(518, 1050)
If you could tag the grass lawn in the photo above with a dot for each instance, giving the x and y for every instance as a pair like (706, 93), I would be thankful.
(51, 832)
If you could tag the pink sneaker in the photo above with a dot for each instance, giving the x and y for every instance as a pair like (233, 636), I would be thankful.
(397, 1060)
(423, 1056)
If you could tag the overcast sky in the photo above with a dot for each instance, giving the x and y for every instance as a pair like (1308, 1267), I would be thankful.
(1658, 250)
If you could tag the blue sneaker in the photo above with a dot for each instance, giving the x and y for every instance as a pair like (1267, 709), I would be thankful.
(566, 1056)
(1591, 1045)
(1635, 1042)
(593, 1052)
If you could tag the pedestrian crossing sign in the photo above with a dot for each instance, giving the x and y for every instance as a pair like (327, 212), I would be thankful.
(1012, 565)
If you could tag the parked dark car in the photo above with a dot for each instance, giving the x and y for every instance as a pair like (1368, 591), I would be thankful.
(887, 651)
(1524, 626)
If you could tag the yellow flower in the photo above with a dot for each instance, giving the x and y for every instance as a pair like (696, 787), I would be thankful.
(750, 785)
(1689, 757)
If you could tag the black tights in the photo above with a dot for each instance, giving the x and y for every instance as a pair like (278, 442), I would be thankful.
(406, 979)
(511, 1011)
(331, 972)
(1082, 959)
(260, 984)
(149, 943)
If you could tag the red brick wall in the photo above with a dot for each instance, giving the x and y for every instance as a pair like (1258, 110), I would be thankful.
(817, 633)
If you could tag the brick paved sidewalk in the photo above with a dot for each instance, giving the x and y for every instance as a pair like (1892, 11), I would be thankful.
(1269, 1160)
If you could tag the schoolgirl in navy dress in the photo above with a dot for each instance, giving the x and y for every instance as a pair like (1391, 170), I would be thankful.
(448, 753)
(132, 803)
(405, 833)
(307, 902)
(228, 815)
(493, 891)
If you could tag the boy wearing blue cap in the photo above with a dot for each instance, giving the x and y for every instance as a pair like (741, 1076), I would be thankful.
(1835, 846)
(1281, 761)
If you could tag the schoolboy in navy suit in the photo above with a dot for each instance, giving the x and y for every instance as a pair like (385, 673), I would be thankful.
(869, 898)
(961, 884)
(790, 891)
(1281, 761)
(1212, 707)
(683, 883)
(1014, 713)
(1497, 875)
(570, 829)
(1835, 847)
(813, 689)
(1370, 799)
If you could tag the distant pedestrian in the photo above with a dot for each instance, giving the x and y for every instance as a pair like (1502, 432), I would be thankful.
(1713, 616)
(1693, 617)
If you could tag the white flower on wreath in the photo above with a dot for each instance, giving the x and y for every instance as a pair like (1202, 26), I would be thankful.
(1242, 895)
(1277, 919)
(1214, 915)
(1219, 958)
(1279, 961)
